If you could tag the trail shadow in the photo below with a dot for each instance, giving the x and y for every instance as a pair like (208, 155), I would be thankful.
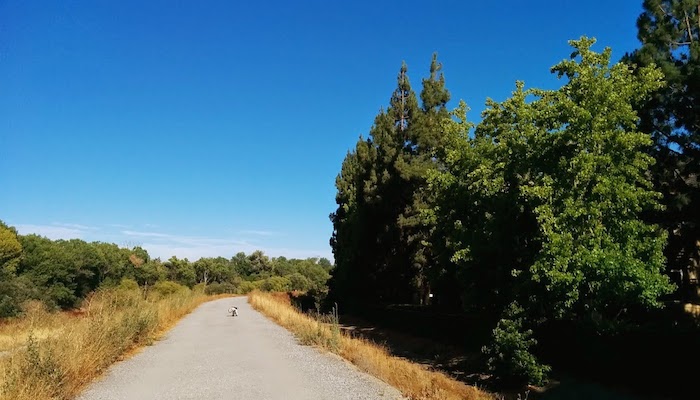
(465, 363)
(455, 361)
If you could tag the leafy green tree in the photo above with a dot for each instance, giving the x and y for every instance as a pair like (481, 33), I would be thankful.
(315, 273)
(555, 182)
(68, 269)
(10, 251)
(181, 271)
(325, 263)
(669, 31)
(598, 256)
(150, 272)
(275, 284)
(299, 282)
(282, 266)
(259, 263)
(241, 265)
(13, 291)
(115, 265)
(544, 204)
(212, 270)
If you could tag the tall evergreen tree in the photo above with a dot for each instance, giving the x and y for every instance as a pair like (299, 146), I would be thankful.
(670, 34)
(380, 236)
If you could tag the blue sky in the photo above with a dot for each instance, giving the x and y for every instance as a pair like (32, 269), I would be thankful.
(211, 127)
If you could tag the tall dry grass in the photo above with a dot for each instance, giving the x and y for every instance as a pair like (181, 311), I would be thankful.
(54, 355)
(414, 381)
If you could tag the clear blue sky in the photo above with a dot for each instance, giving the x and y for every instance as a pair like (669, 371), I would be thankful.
(204, 128)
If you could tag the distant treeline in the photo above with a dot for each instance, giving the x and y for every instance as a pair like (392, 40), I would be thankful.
(63, 272)
(578, 204)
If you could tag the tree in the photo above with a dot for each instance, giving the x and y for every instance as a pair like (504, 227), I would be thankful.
(275, 284)
(260, 264)
(552, 188)
(212, 270)
(381, 240)
(181, 271)
(13, 291)
(299, 282)
(10, 251)
(669, 31)
(241, 265)
(325, 263)
(598, 256)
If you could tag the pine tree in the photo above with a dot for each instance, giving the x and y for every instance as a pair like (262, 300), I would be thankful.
(380, 238)
(670, 34)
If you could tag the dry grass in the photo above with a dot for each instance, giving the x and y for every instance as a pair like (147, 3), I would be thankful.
(54, 355)
(413, 380)
(15, 332)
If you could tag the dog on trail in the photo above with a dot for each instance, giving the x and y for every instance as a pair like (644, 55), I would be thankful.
(234, 311)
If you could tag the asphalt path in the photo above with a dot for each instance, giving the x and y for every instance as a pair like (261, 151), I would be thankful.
(212, 355)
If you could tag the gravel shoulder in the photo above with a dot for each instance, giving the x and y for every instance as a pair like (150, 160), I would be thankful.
(211, 355)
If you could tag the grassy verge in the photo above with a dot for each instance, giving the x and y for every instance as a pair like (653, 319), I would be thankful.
(54, 355)
(413, 380)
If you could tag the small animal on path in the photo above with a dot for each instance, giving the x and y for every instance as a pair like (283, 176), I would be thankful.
(234, 311)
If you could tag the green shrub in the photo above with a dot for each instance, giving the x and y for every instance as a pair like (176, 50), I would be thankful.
(509, 356)
(297, 281)
(168, 288)
(220, 288)
(199, 288)
(247, 287)
(275, 284)
(13, 293)
(128, 284)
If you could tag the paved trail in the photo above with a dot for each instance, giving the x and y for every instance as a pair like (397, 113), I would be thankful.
(210, 355)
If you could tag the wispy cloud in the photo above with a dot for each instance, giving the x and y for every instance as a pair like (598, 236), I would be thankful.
(165, 245)
(146, 234)
(51, 231)
(258, 233)
(120, 226)
(75, 226)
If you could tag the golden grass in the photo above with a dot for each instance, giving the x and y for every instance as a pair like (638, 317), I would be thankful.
(414, 381)
(55, 355)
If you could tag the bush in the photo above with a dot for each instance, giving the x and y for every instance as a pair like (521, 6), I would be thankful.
(275, 284)
(13, 293)
(128, 284)
(247, 287)
(299, 282)
(509, 356)
(168, 288)
(199, 288)
(220, 288)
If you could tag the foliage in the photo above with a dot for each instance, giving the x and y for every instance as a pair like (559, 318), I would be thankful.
(128, 284)
(556, 188)
(275, 284)
(220, 288)
(10, 251)
(247, 287)
(510, 355)
(299, 282)
(168, 288)
(543, 204)
(380, 239)
(669, 31)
